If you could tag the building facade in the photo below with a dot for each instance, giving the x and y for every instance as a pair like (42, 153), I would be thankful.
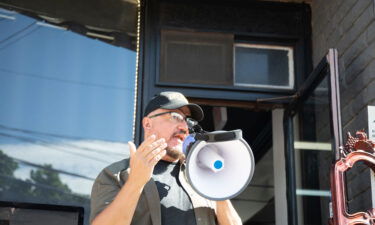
(292, 75)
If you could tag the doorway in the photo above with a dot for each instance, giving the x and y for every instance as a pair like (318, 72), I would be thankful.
(256, 203)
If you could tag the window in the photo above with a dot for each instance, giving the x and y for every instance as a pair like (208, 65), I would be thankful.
(66, 108)
(214, 60)
(196, 58)
(264, 66)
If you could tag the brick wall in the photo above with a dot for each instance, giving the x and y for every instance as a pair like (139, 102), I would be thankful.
(349, 26)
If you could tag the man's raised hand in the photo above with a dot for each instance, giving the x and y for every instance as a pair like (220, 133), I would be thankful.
(144, 159)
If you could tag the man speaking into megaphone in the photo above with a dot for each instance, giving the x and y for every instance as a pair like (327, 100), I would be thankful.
(152, 186)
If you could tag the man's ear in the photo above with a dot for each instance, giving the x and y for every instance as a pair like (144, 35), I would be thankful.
(146, 123)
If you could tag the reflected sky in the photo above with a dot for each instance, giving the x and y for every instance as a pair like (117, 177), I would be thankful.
(65, 100)
(56, 81)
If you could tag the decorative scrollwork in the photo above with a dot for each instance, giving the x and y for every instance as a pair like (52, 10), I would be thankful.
(360, 142)
(356, 149)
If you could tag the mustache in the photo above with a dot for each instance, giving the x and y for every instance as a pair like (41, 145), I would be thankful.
(180, 134)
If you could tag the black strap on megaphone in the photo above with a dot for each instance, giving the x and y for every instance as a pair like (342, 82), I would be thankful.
(198, 134)
(217, 136)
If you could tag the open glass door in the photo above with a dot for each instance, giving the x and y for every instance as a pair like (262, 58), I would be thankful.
(312, 127)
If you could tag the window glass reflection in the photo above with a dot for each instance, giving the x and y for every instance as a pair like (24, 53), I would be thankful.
(66, 106)
(264, 66)
(313, 156)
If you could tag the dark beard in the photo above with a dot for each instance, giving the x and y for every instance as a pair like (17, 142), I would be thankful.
(174, 153)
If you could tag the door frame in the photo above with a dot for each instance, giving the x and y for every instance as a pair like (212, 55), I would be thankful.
(328, 66)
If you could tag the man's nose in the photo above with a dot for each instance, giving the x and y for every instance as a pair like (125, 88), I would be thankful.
(183, 127)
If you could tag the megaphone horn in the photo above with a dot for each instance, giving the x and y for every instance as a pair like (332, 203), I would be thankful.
(219, 164)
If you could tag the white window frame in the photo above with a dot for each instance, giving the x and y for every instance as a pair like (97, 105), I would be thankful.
(290, 51)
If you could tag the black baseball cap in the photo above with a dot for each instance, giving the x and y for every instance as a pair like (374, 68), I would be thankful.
(173, 100)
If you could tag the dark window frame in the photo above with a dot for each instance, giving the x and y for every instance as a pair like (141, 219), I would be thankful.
(328, 66)
(36, 206)
(169, 14)
(238, 39)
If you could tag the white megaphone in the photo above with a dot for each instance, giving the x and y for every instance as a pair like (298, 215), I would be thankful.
(219, 164)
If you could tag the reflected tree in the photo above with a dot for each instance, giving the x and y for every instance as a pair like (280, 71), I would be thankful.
(47, 184)
(10, 186)
(8, 165)
(43, 185)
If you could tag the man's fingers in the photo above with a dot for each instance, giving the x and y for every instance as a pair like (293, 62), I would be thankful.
(157, 157)
(148, 141)
(155, 152)
(155, 148)
(146, 149)
(132, 148)
(150, 151)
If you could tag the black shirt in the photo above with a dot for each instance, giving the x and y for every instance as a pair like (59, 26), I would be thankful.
(176, 206)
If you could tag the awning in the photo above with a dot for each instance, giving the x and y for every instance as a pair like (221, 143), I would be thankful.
(113, 21)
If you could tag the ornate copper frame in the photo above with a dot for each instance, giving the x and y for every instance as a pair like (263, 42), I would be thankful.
(357, 148)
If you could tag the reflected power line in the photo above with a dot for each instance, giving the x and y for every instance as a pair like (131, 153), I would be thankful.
(46, 144)
(48, 134)
(51, 169)
(101, 151)
(112, 87)
(17, 32)
(19, 38)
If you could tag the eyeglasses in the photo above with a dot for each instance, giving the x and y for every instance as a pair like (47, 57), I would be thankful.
(175, 117)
